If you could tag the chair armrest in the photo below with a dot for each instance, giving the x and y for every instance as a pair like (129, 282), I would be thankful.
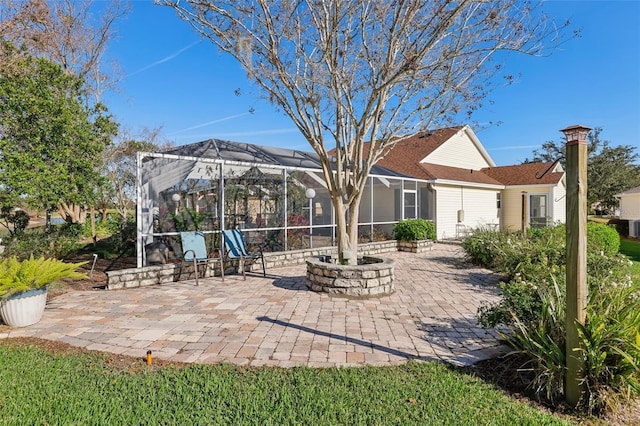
(184, 255)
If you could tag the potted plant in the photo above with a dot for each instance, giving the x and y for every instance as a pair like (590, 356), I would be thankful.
(415, 235)
(24, 284)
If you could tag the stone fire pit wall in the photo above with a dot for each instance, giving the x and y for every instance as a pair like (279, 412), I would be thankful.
(373, 277)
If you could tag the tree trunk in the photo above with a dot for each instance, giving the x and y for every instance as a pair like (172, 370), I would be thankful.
(72, 213)
(347, 229)
(94, 235)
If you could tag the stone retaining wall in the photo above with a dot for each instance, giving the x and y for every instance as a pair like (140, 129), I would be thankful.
(161, 274)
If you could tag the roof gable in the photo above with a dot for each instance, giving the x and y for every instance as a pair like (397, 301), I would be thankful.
(426, 156)
(405, 155)
(464, 140)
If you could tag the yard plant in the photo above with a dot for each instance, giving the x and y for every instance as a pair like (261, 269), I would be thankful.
(33, 273)
(532, 310)
(414, 230)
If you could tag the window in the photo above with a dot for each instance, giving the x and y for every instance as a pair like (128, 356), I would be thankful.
(498, 200)
(410, 205)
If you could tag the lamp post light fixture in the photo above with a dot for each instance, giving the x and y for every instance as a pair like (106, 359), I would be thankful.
(310, 193)
(576, 259)
(176, 197)
(577, 133)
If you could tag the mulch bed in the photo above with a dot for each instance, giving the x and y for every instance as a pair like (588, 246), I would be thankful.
(96, 279)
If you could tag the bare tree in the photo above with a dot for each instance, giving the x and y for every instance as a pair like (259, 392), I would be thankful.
(67, 33)
(120, 168)
(361, 75)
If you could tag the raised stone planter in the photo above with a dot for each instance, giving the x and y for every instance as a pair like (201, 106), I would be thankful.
(371, 278)
(419, 246)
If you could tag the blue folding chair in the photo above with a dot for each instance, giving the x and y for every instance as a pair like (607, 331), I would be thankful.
(235, 248)
(194, 249)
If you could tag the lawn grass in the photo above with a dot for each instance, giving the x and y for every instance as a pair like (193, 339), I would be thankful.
(38, 386)
(631, 248)
(599, 219)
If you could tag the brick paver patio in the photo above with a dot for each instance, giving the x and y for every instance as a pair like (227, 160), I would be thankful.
(276, 321)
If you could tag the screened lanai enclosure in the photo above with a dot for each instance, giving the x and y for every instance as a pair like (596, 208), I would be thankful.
(276, 197)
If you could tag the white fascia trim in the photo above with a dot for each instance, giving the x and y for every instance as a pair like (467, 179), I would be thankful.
(546, 185)
(469, 131)
(467, 184)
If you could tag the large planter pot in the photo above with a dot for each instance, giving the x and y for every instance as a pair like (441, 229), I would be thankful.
(25, 308)
(371, 277)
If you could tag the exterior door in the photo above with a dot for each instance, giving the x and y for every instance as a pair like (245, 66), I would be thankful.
(538, 211)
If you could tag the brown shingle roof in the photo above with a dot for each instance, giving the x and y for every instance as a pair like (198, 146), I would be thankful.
(404, 156)
(437, 171)
(524, 174)
(631, 191)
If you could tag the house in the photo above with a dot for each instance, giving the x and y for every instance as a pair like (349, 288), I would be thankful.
(279, 197)
(467, 190)
(539, 189)
(630, 210)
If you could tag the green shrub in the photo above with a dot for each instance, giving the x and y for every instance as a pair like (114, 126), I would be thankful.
(57, 242)
(602, 238)
(514, 254)
(485, 247)
(414, 230)
(610, 338)
(520, 299)
(14, 221)
(104, 227)
(534, 255)
(532, 309)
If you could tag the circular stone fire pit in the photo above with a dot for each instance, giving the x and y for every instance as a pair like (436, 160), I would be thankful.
(372, 276)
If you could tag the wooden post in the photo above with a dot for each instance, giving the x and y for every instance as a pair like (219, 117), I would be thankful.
(576, 259)
(525, 214)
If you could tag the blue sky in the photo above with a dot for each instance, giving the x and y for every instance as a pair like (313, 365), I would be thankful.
(174, 79)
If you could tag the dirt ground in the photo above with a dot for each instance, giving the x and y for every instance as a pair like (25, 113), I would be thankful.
(96, 279)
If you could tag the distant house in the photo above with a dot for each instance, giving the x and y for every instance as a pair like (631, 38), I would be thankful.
(630, 210)
(467, 190)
